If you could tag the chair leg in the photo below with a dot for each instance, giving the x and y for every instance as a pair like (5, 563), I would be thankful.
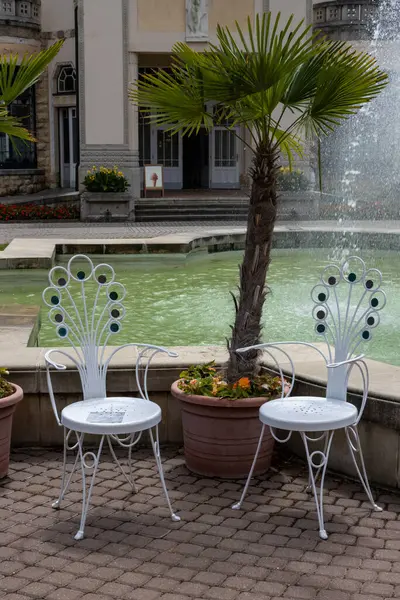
(156, 449)
(324, 437)
(320, 467)
(64, 486)
(238, 505)
(129, 478)
(354, 443)
(87, 494)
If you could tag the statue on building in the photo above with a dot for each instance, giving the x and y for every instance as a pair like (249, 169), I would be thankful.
(196, 20)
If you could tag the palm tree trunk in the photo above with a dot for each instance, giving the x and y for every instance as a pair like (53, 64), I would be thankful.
(253, 271)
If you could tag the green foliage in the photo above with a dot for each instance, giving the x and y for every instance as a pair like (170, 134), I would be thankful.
(291, 180)
(15, 77)
(205, 380)
(105, 180)
(6, 388)
(256, 77)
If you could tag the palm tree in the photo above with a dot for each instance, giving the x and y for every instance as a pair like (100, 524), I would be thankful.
(15, 77)
(283, 84)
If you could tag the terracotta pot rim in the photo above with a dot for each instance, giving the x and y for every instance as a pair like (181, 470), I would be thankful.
(14, 398)
(217, 402)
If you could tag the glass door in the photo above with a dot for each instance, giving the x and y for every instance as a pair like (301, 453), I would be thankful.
(166, 150)
(68, 128)
(224, 158)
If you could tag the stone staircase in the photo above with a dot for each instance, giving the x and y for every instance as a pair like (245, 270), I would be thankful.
(191, 209)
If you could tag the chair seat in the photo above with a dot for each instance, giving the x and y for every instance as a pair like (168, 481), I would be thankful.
(105, 416)
(308, 413)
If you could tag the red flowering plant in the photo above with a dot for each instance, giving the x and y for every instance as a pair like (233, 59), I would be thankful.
(38, 212)
(207, 380)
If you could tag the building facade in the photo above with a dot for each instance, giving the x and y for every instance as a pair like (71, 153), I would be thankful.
(80, 111)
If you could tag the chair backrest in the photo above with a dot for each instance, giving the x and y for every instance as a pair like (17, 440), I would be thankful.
(86, 308)
(347, 302)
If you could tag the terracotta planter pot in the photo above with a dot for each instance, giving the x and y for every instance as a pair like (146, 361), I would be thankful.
(221, 435)
(7, 408)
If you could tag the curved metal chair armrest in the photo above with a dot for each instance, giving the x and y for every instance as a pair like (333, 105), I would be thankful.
(58, 367)
(275, 344)
(53, 363)
(349, 361)
(157, 349)
(362, 367)
(142, 385)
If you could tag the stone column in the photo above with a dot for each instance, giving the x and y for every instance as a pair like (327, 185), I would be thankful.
(103, 82)
(133, 126)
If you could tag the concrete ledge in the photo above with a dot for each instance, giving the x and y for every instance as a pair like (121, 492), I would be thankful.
(380, 429)
(25, 253)
(41, 253)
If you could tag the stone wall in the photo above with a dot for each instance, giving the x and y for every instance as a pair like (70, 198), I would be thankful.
(43, 134)
(14, 182)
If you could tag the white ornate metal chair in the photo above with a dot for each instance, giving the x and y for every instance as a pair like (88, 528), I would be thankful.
(88, 321)
(344, 323)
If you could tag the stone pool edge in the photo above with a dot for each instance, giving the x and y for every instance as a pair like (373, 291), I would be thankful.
(35, 425)
(38, 253)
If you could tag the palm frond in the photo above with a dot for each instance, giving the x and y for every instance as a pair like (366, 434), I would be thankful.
(257, 74)
(17, 75)
(173, 98)
(13, 127)
(345, 82)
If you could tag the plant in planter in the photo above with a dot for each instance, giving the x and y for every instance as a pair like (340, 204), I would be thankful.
(10, 395)
(106, 194)
(220, 419)
(291, 180)
(274, 84)
(110, 181)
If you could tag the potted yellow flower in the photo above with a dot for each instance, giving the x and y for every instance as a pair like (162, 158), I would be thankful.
(220, 420)
(10, 395)
(106, 196)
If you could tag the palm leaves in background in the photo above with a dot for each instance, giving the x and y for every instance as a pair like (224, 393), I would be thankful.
(257, 80)
(17, 75)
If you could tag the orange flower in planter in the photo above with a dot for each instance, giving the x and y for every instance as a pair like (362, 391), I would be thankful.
(244, 383)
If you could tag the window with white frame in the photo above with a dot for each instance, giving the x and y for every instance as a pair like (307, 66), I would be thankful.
(225, 148)
(7, 8)
(20, 154)
(353, 12)
(66, 80)
(333, 14)
(24, 9)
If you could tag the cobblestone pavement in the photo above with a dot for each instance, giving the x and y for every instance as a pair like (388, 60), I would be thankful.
(133, 551)
(9, 231)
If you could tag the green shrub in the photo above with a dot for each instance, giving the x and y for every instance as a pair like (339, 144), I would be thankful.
(105, 180)
(6, 388)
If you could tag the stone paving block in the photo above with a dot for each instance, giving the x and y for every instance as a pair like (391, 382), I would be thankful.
(37, 589)
(132, 550)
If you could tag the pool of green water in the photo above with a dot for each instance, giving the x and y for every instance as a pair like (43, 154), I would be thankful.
(185, 301)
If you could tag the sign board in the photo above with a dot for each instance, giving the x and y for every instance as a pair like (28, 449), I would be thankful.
(153, 179)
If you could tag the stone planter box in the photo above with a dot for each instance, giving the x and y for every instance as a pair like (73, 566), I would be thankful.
(103, 206)
(298, 205)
